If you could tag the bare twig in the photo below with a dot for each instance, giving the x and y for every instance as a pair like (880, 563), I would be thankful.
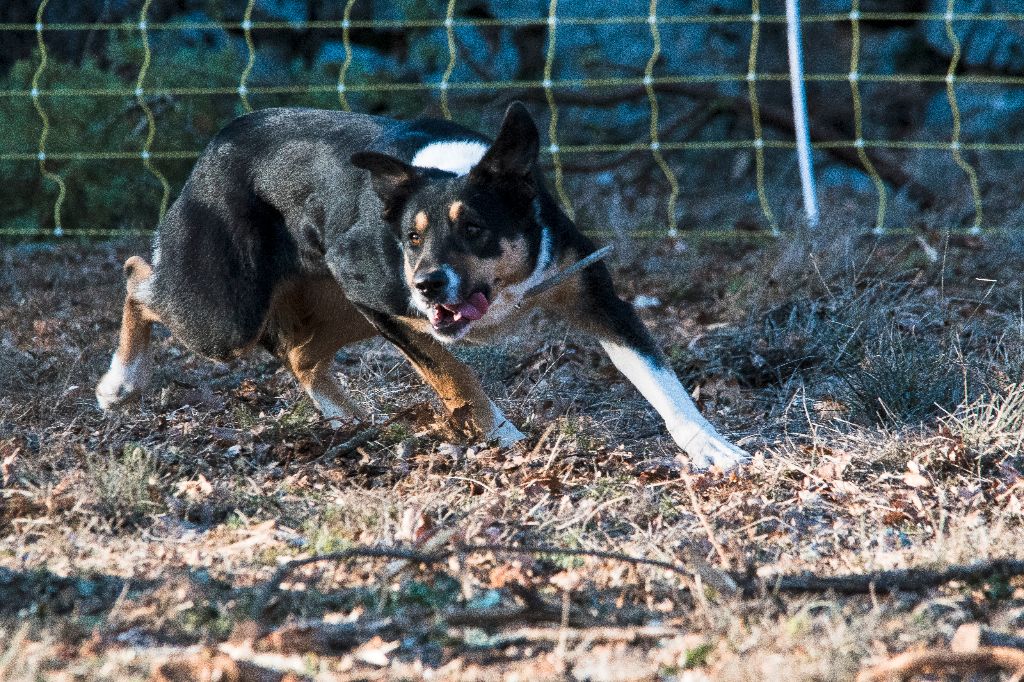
(467, 56)
(562, 275)
(319, 637)
(694, 122)
(597, 633)
(440, 555)
(535, 610)
(705, 523)
(905, 580)
(366, 435)
(540, 442)
(492, 617)
(331, 638)
(900, 580)
(913, 663)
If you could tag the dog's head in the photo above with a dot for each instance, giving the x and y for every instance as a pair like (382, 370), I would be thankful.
(467, 240)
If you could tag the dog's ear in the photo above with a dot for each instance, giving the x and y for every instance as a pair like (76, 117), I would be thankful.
(392, 179)
(513, 155)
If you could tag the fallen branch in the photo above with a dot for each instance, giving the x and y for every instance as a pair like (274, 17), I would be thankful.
(319, 637)
(331, 639)
(900, 580)
(210, 664)
(365, 436)
(914, 663)
(592, 634)
(441, 555)
(501, 616)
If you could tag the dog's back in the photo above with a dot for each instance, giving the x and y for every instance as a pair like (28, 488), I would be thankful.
(245, 220)
(230, 238)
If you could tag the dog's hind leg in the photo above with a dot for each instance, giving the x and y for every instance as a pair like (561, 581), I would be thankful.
(313, 371)
(311, 364)
(591, 304)
(132, 364)
(310, 321)
(456, 384)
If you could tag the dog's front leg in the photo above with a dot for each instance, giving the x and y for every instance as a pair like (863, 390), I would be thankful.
(455, 383)
(590, 303)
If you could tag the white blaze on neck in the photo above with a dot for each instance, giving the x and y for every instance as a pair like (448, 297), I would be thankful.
(454, 156)
(543, 261)
(509, 298)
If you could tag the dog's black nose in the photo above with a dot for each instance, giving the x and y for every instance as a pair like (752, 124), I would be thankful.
(432, 284)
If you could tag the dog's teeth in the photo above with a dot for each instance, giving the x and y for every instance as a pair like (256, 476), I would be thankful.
(457, 317)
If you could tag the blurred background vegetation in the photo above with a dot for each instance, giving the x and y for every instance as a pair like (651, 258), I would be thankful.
(622, 189)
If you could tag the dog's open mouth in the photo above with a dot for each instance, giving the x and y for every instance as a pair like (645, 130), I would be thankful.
(452, 318)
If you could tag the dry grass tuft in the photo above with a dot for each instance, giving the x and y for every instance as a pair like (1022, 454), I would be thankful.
(122, 483)
(991, 426)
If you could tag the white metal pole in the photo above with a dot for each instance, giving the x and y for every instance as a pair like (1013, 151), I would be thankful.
(803, 137)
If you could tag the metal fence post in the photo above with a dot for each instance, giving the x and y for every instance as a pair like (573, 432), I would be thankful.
(803, 137)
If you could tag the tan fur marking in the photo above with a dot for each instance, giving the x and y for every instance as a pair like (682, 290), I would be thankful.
(565, 297)
(410, 271)
(136, 318)
(514, 265)
(454, 210)
(563, 300)
(131, 365)
(417, 324)
(313, 319)
(421, 222)
(510, 267)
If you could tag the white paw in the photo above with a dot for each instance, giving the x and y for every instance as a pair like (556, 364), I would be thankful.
(712, 450)
(340, 417)
(337, 407)
(122, 381)
(504, 431)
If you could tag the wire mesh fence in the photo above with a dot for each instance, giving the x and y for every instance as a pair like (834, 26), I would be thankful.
(97, 143)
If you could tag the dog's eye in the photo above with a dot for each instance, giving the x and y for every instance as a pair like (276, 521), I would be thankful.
(415, 238)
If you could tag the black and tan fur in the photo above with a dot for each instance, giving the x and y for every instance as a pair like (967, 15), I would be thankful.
(303, 230)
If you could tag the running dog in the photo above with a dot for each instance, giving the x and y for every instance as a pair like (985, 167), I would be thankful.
(303, 230)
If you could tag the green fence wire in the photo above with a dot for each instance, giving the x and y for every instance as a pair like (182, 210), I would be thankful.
(46, 99)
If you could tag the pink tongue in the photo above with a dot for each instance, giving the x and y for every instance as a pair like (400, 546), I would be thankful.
(474, 308)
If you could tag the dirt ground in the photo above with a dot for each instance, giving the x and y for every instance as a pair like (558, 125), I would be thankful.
(878, 384)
